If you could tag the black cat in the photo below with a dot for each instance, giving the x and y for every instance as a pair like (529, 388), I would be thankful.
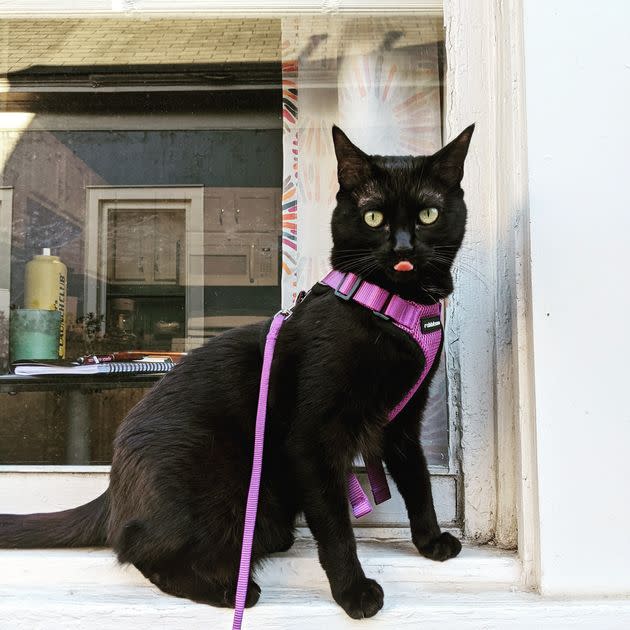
(182, 457)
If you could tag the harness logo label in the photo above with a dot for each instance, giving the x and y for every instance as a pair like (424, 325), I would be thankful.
(430, 324)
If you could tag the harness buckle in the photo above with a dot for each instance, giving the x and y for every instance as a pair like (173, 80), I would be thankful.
(353, 289)
(380, 312)
(381, 315)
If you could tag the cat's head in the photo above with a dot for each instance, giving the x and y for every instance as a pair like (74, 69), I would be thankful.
(400, 220)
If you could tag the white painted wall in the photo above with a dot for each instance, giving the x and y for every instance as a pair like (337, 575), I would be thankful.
(577, 60)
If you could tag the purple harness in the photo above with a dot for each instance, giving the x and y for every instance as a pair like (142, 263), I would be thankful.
(421, 322)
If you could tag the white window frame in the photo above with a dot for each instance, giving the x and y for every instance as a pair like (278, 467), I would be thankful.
(101, 199)
(489, 329)
(485, 84)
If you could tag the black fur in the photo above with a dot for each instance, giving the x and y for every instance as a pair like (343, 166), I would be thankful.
(182, 458)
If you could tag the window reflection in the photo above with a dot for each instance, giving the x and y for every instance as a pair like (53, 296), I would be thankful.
(187, 187)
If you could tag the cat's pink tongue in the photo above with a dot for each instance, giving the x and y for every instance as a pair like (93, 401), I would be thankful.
(403, 265)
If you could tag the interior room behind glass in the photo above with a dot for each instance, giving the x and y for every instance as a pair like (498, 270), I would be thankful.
(158, 159)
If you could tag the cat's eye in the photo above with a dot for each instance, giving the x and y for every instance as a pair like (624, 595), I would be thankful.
(427, 216)
(374, 218)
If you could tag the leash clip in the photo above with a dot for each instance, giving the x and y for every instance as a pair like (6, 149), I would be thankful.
(285, 312)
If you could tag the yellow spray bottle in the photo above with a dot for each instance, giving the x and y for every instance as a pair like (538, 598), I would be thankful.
(45, 287)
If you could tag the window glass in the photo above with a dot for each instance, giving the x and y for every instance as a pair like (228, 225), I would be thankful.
(179, 175)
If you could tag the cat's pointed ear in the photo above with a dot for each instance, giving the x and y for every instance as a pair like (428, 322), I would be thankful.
(353, 165)
(448, 162)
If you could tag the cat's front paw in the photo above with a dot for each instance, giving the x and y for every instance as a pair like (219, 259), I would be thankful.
(363, 599)
(253, 595)
(440, 548)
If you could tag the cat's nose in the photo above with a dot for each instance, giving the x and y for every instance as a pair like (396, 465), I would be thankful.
(402, 242)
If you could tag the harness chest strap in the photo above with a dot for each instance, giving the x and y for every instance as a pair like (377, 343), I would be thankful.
(422, 323)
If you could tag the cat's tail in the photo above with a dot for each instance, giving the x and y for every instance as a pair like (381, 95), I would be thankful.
(83, 526)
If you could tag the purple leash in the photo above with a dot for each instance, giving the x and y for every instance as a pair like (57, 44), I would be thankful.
(254, 483)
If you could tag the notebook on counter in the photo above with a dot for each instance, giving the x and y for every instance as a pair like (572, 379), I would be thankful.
(54, 368)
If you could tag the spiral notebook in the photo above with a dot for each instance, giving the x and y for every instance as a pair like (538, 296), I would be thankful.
(35, 368)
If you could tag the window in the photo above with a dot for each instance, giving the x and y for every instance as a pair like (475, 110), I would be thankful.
(188, 188)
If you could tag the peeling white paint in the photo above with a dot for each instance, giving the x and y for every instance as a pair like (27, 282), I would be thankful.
(471, 311)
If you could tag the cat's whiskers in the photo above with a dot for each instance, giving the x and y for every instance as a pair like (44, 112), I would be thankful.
(464, 253)
(353, 264)
(353, 249)
(459, 265)
(428, 290)
(471, 271)
(353, 257)
(356, 261)
(365, 268)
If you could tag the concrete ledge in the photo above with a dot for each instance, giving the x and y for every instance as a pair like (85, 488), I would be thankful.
(386, 560)
(85, 588)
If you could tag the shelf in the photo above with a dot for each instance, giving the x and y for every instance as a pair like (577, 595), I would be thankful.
(15, 384)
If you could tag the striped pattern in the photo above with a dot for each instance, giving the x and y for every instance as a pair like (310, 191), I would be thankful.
(290, 171)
